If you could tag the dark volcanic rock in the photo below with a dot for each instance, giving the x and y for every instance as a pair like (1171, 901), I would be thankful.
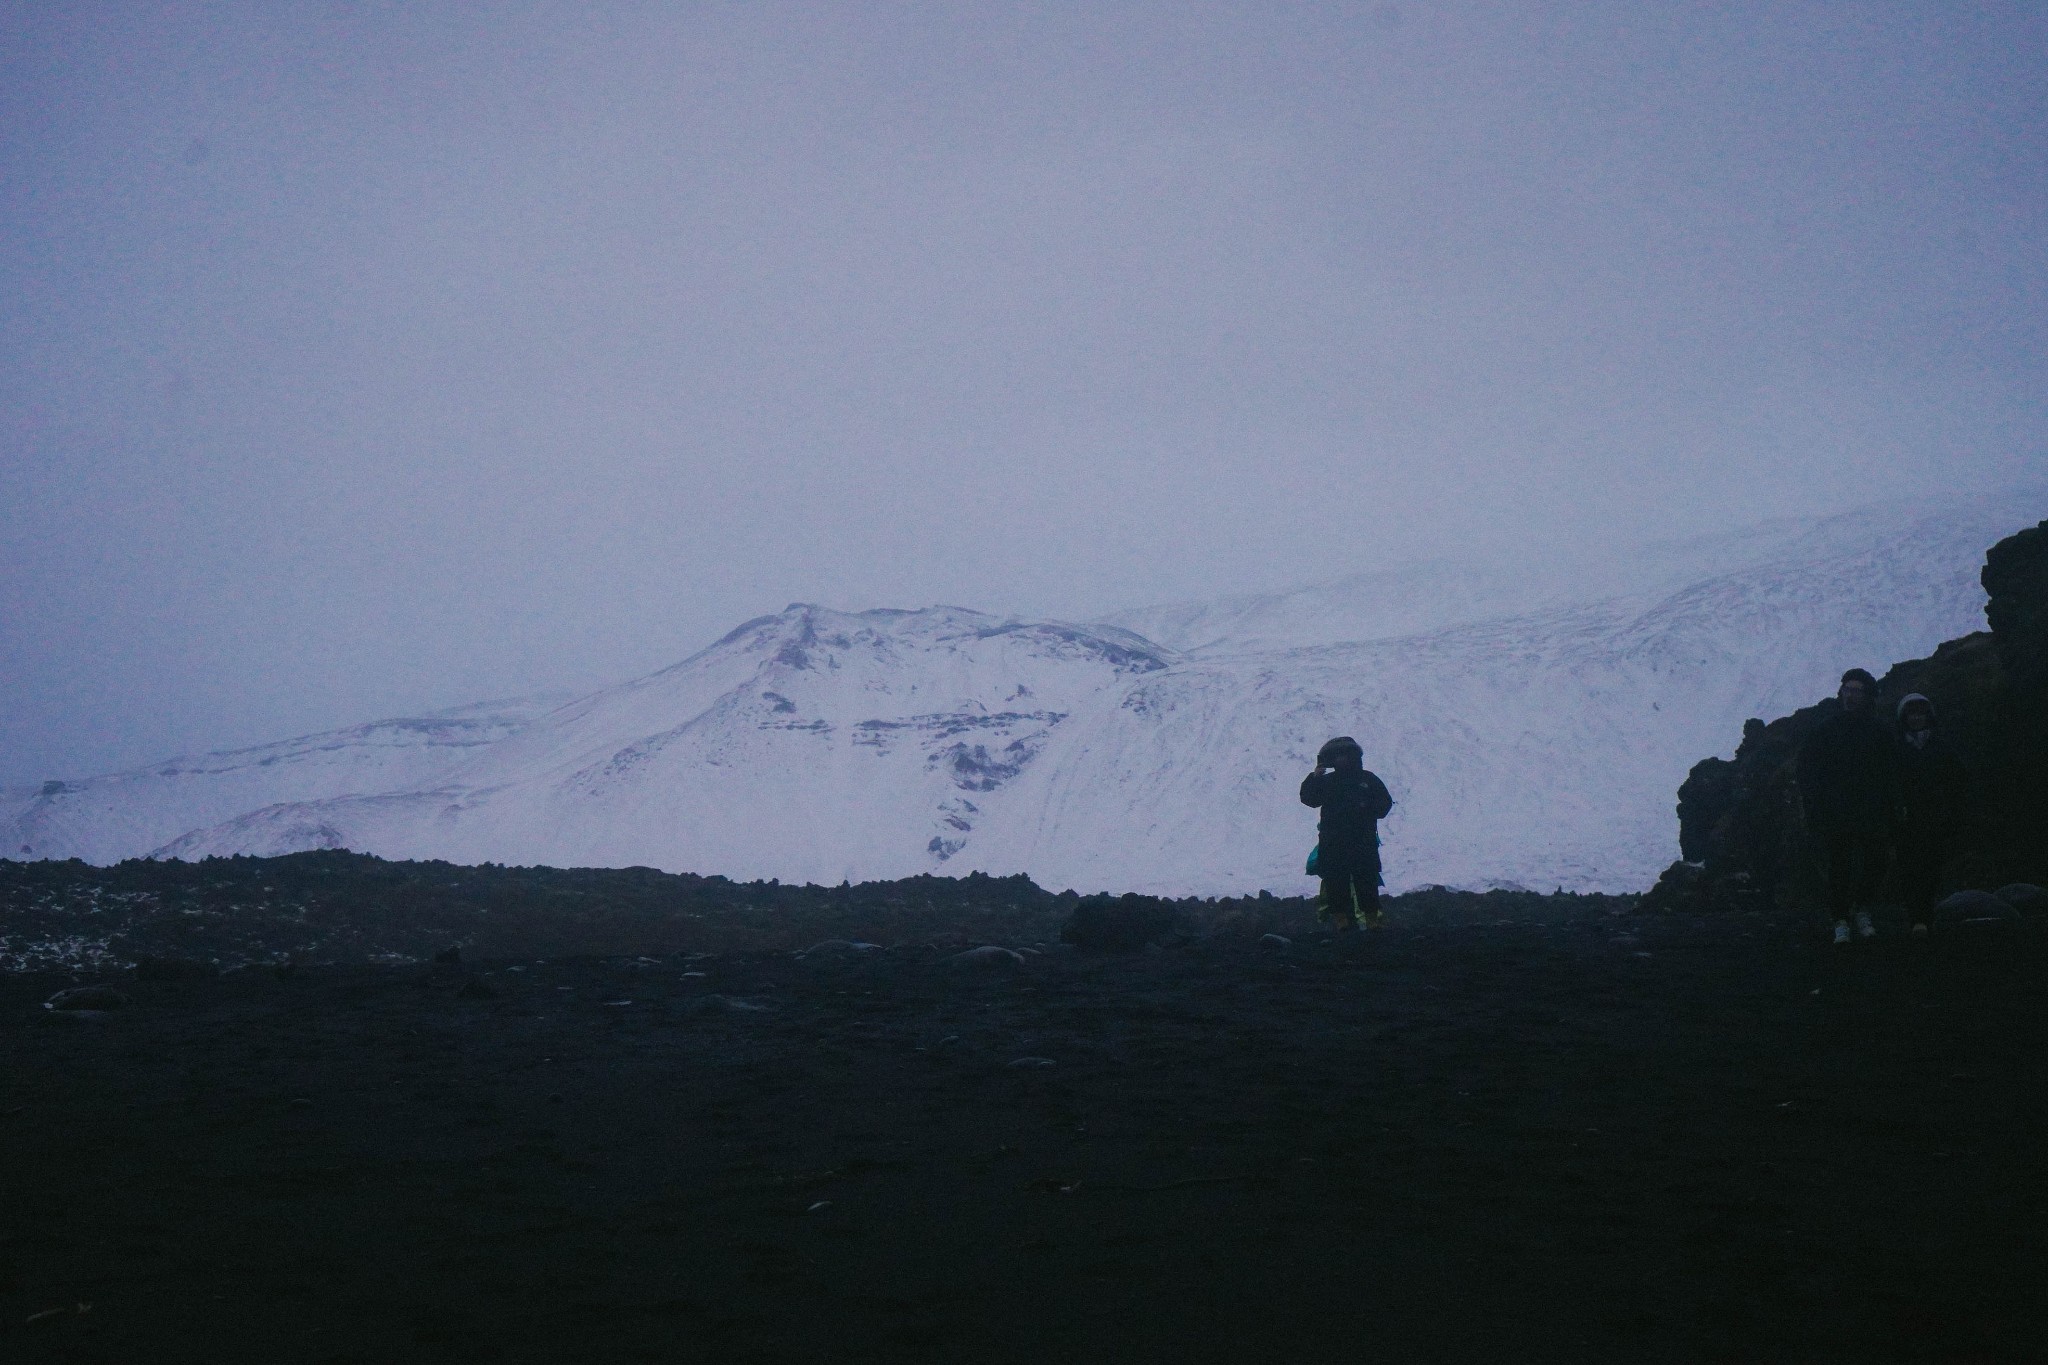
(840, 947)
(294, 914)
(174, 969)
(86, 998)
(2016, 577)
(986, 959)
(1701, 1156)
(2024, 897)
(1974, 907)
(1741, 833)
(1118, 924)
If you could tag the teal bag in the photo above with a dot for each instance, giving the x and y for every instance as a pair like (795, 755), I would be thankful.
(1315, 858)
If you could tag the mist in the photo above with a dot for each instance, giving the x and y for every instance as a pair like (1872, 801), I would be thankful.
(364, 359)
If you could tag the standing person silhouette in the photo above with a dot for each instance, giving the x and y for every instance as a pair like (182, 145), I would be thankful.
(1848, 774)
(1353, 802)
(1933, 788)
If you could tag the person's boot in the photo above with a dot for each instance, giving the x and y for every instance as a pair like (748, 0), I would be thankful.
(1864, 928)
(1841, 932)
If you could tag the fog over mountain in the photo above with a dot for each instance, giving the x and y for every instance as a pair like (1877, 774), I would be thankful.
(362, 359)
(1532, 728)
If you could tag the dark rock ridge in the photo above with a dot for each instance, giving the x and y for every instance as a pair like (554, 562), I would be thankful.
(1741, 838)
(170, 920)
(1118, 924)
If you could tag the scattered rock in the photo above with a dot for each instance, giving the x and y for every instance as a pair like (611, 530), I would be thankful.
(86, 998)
(476, 988)
(1974, 907)
(450, 956)
(986, 959)
(174, 969)
(1684, 885)
(1028, 1063)
(732, 1004)
(840, 947)
(1275, 941)
(1118, 924)
(2025, 897)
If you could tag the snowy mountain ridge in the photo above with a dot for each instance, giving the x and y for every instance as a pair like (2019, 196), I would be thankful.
(1533, 733)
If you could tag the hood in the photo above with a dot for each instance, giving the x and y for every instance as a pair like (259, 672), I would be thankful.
(1911, 699)
(1334, 750)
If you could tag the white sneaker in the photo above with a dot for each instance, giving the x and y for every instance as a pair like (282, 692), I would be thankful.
(1864, 928)
(1841, 931)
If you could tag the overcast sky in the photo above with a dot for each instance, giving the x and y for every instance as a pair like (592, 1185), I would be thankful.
(363, 358)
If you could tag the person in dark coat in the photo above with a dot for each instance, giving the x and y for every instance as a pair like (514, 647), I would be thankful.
(1848, 773)
(1933, 786)
(1353, 802)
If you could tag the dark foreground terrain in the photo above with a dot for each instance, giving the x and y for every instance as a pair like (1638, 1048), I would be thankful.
(1576, 1134)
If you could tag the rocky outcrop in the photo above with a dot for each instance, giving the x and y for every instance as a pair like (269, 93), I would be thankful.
(1741, 837)
(1121, 924)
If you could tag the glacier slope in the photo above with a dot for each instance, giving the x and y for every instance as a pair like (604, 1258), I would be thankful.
(1414, 599)
(125, 815)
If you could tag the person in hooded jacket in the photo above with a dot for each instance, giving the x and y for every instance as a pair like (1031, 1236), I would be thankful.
(1848, 772)
(1353, 801)
(1933, 786)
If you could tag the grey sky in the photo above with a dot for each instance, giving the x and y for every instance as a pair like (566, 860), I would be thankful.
(358, 359)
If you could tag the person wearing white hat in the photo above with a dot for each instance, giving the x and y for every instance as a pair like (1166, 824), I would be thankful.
(1932, 788)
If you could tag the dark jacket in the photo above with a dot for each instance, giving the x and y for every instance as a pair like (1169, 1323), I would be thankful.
(1849, 775)
(1353, 802)
(1933, 789)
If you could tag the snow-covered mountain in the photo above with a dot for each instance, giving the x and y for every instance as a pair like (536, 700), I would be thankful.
(1533, 729)
(1414, 599)
(127, 815)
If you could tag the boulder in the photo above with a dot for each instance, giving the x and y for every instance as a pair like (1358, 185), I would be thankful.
(86, 998)
(1120, 924)
(732, 1004)
(840, 947)
(1974, 907)
(985, 959)
(2025, 897)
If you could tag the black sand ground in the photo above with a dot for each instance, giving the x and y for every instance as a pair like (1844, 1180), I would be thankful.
(1586, 1137)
